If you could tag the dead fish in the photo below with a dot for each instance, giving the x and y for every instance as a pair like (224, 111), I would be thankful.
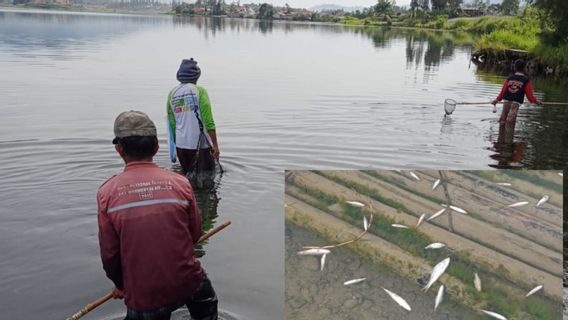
(356, 204)
(420, 219)
(435, 215)
(542, 200)
(322, 261)
(437, 272)
(436, 183)
(439, 297)
(435, 245)
(313, 252)
(458, 209)
(534, 290)
(401, 302)
(399, 226)
(477, 282)
(346, 283)
(412, 174)
(561, 174)
(494, 315)
(365, 223)
(518, 204)
(505, 184)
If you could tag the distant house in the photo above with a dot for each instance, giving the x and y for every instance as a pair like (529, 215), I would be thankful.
(472, 11)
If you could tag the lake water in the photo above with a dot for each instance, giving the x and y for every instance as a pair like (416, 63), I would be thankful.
(284, 96)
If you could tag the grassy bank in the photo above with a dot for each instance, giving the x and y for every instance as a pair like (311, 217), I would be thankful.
(496, 33)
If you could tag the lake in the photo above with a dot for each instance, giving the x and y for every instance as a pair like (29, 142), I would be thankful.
(284, 95)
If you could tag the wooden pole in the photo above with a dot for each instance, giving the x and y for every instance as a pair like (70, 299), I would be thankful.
(448, 199)
(91, 306)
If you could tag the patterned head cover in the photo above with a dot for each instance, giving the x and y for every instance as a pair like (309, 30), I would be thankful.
(188, 71)
(134, 123)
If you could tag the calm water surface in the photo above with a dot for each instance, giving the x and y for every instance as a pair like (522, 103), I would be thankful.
(284, 96)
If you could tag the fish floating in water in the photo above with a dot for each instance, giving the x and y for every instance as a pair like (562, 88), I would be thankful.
(518, 204)
(542, 200)
(412, 174)
(323, 261)
(534, 290)
(420, 219)
(477, 282)
(437, 272)
(314, 252)
(435, 215)
(505, 184)
(435, 245)
(401, 302)
(401, 226)
(439, 297)
(436, 183)
(365, 223)
(356, 204)
(458, 209)
(494, 315)
(354, 281)
(561, 174)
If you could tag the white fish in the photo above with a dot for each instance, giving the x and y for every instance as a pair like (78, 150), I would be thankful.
(399, 226)
(505, 184)
(542, 200)
(437, 272)
(458, 209)
(401, 302)
(346, 283)
(435, 245)
(477, 282)
(435, 215)
(439, 297)
(356, 204)
(412, 174)
(420, 219)
(323, 261)
(494, 315)
(365, 223)
(561, 174)
(518, 204)
(313, 252)
(534, 290)
(436, 183)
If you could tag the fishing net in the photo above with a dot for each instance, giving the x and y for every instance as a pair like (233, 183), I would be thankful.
(449, 106)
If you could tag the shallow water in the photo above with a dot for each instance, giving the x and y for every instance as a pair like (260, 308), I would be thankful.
(315, 294)
(284, 96)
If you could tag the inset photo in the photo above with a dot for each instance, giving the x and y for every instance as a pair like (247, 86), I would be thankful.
(424, 244)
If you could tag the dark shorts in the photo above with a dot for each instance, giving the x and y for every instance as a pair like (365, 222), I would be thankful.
(202, 306)
(187, 159)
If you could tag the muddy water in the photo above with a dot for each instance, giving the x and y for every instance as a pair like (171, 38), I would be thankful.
(314, 294)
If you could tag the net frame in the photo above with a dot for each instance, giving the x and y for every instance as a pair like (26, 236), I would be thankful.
(449, 106)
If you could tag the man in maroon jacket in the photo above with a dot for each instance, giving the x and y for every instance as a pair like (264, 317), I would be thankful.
(148, 224)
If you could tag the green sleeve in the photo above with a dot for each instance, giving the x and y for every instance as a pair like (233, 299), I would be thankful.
(171, 117)
(205, 109)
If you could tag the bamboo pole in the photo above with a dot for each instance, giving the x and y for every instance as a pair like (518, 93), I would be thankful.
(91, 306)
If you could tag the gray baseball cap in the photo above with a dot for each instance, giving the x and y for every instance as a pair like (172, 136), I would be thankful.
(134, 123)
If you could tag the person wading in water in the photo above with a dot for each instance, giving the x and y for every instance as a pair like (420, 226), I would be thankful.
(191, 121)
(148, 226)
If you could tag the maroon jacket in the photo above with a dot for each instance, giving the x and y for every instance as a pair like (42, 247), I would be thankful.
(148, 224)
